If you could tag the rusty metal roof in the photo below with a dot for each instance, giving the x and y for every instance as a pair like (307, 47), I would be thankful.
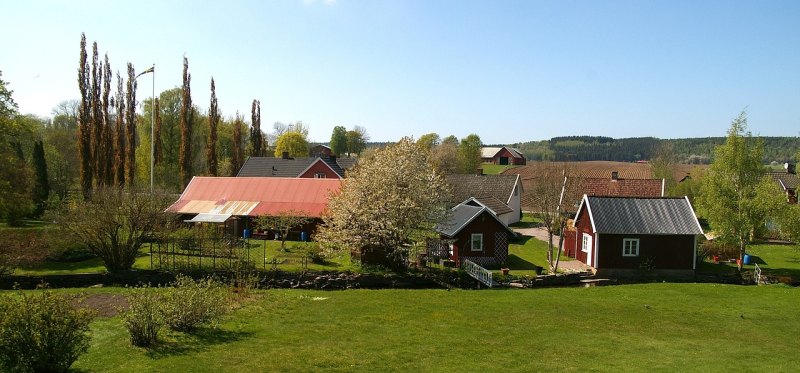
(253, 196)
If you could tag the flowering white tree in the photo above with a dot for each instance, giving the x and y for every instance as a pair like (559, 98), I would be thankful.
(393, 198)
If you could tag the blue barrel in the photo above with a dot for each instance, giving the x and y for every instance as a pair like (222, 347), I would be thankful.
(303, 236)
(746, 258)
(246, 233)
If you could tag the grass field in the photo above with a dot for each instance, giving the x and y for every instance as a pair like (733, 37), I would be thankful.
(639, 328)
(492, 169)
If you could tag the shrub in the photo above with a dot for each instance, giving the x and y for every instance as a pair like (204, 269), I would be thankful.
(721, 249)
(145, 316)
(314, 252)
(190, 303)
(41, 332)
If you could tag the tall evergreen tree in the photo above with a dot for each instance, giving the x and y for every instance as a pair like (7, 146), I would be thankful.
(157, 147)
(213, 121)
(41, 186)
(237, 153)
(256, 137)
(84, 124)
(186, 127)
(119, 136)
(130, 128)
(97, 116)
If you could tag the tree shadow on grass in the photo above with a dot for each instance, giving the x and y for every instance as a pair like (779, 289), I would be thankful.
(516, 263)
(198, 341)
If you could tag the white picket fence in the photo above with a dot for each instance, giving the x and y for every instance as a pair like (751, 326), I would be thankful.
(477, 272)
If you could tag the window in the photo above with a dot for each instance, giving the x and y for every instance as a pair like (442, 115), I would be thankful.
(319, 175)
(587, 241)
(476, 242)
(630, 247)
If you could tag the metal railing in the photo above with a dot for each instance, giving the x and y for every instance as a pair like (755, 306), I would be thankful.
(477, 272)
(757, 274)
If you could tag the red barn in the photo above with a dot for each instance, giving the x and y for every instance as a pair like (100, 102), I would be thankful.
(503, 156)
(616, 234)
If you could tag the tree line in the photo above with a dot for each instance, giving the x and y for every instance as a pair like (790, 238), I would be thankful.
(687, 150)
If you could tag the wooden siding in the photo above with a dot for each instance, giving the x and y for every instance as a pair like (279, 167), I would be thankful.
(319, 167)
(582, 225)
(486, 225)
(665, 251)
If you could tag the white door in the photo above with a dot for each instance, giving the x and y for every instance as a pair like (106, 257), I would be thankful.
(588, 248)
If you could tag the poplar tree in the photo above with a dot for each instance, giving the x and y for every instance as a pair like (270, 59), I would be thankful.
(186, 127)
(237, 151)
(256, 137)
(107, 142)
(84, 123)
(97, 116)
(213, 121)
(130, 127)
(119, 136)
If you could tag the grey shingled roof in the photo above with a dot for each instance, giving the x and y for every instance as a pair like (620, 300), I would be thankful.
(617, 215)
(481, 186)
(499, 207)
(279, 167)
(787, 180)
(460, 216)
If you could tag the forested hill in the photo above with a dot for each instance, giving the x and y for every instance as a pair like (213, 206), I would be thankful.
(599, 148)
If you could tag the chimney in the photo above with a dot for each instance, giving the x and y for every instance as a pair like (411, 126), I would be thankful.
(479, 171)
(790, 168)
(333, 158)
(614, 175)
(285, 155)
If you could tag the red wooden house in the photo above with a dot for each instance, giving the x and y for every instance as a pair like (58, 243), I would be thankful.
(474, 233)
(503, 156)
(324, 167)
(617, 234)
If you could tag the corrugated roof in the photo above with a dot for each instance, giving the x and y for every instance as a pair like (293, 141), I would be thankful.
(253, 196)
(279, 167)
(618, 215)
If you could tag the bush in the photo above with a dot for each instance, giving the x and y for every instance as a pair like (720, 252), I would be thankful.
(145, 316)
(720, 249)
(41, 332)
(190, 303)
(314, 252)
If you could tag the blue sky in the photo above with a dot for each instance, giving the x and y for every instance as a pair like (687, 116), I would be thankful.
(510, 71)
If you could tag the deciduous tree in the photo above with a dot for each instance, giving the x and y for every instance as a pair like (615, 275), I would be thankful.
(392, 199)
(237, 151)
(294, 143)
(114, 224)
(283, 223)
(428, 141)
(187, 121)
(130, 128)
(41, 186)
(357, 140)
(339, 140)
(119, 136)
(84, 122)
(257, 143)
(729, 196)
(469, 154)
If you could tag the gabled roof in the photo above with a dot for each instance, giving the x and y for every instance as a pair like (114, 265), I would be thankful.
(620, 215)
(461, 216)
(490, 152)
(495, 205)
(500, 187)
(785, 179)
(294, 167)
(254, 196)
(608, 187)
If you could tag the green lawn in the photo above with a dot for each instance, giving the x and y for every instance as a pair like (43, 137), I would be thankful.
(631, 328)
(492, 169)
(774, 260)
(526, 253)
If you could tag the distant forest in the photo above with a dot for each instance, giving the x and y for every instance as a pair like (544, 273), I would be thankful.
(599, 148)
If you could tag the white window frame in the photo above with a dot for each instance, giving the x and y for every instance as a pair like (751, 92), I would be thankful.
(586, 242)
(320, 175)
(634, 243)
(472, 238)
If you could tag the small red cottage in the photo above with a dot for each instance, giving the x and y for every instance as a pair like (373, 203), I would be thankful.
(474, 233)
(617, 234)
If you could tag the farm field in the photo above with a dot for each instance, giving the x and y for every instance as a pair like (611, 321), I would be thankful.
(650, 327)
